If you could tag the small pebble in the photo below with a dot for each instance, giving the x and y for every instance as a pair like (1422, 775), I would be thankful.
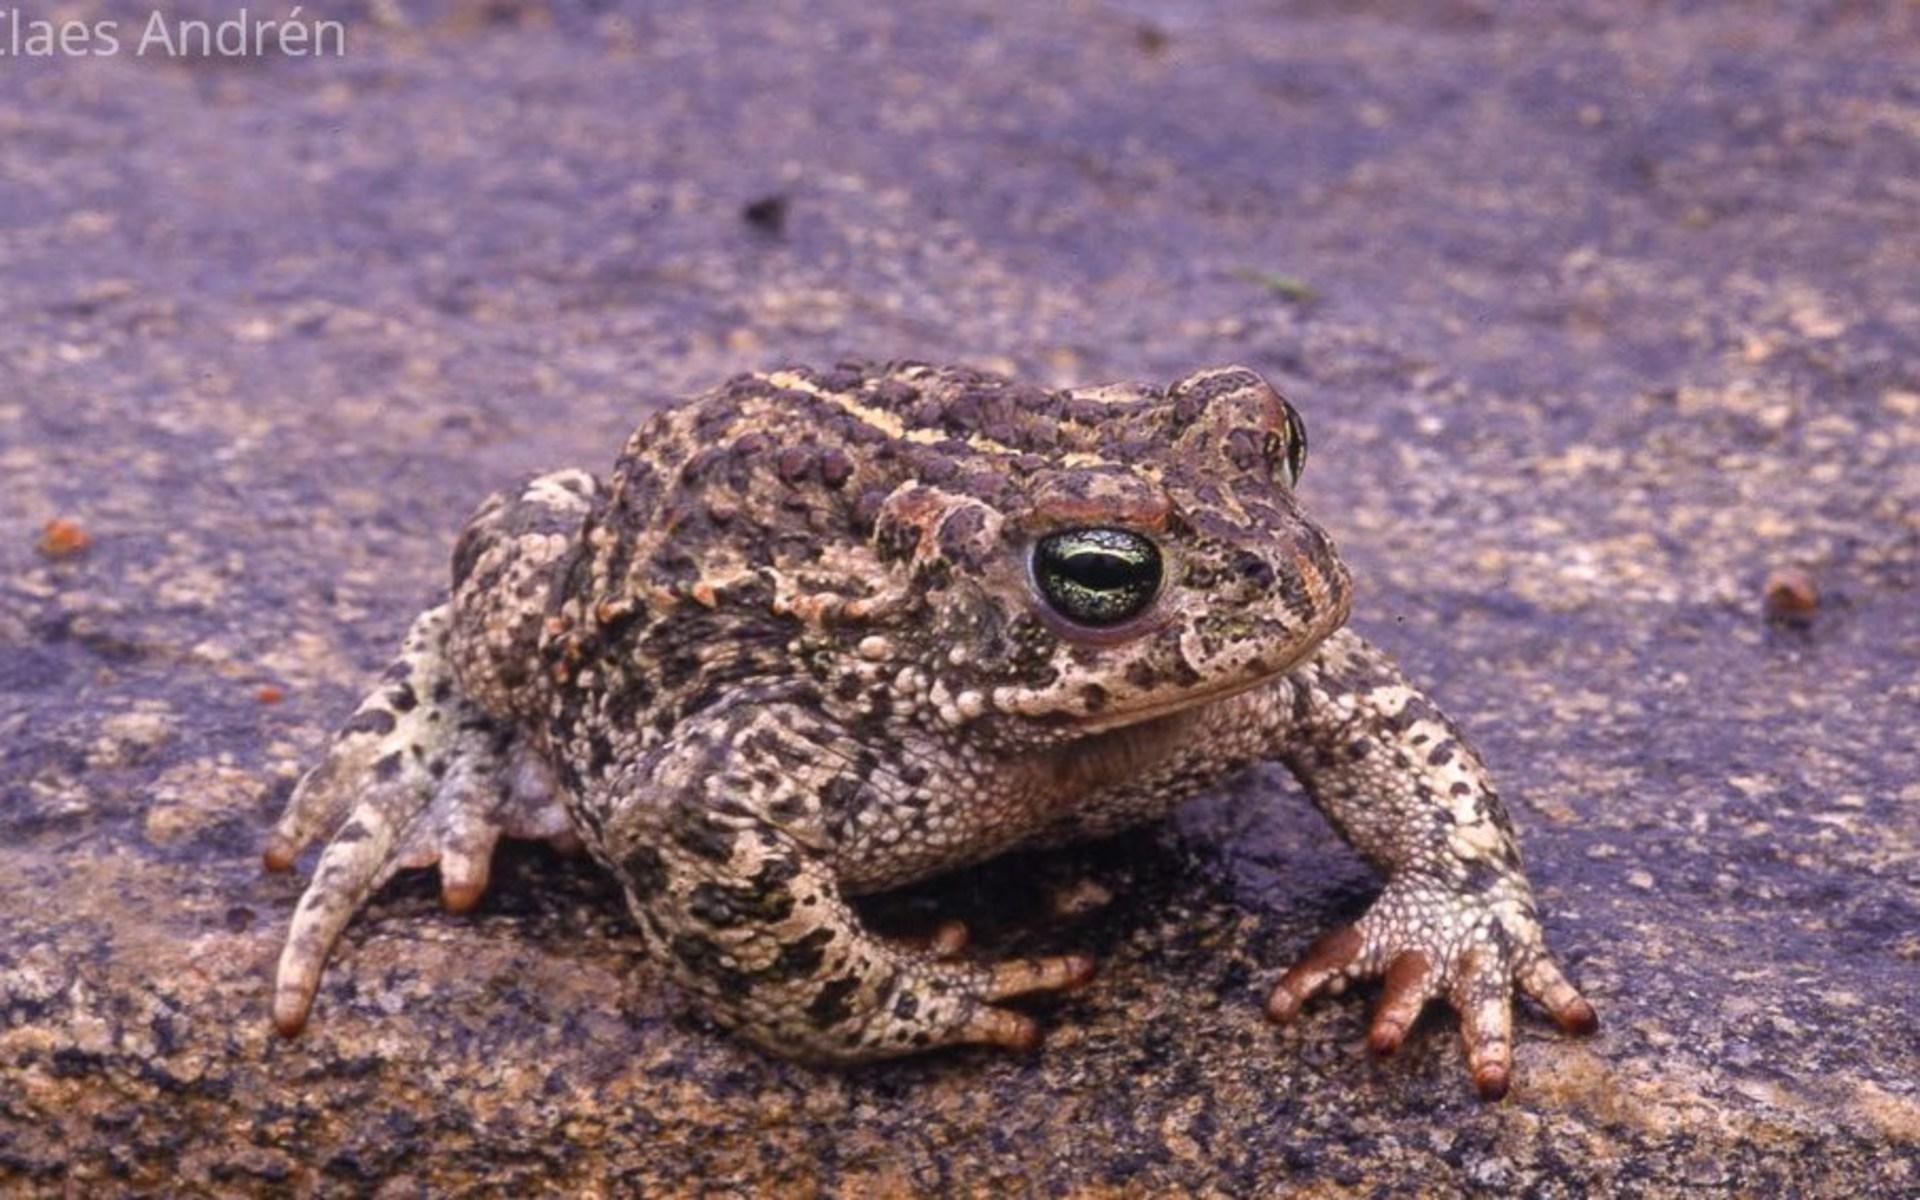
(768, 214)
(1791, 595)
(63, 539)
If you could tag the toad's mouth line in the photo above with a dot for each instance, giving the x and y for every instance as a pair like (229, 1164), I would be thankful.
(1131, 744)
(1106, 723)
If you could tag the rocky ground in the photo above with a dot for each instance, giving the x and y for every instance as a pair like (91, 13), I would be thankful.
(1602, 315)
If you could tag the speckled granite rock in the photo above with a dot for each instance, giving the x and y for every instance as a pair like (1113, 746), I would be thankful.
(1598, 319)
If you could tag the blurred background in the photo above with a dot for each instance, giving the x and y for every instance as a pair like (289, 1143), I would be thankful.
(1603, 319)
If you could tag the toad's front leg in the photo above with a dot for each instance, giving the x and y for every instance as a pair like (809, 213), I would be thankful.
(717, 840)
(1457, 917)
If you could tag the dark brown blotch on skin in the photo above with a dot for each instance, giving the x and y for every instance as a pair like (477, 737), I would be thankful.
(645, 872)
(833, 1003)
(376, 721)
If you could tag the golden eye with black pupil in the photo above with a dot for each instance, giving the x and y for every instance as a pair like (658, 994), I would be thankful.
(1097, 577)
(1296, 444)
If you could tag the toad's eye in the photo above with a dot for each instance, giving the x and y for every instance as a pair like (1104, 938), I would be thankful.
(1097, 576)
(1288, 451)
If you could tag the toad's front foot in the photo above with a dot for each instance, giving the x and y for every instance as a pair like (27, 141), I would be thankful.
(418, 776)
(1426, 939)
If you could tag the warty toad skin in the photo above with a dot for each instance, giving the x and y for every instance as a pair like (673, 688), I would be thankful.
(823, 633)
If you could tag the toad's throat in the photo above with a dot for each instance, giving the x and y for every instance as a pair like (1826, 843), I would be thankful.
(1132, 743)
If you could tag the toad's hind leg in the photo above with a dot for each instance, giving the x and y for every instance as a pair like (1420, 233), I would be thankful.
(430, 768)
(715, 840)
(418, 775)
(766, 942)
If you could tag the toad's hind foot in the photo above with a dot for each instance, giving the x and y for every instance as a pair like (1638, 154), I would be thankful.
(417, 776)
